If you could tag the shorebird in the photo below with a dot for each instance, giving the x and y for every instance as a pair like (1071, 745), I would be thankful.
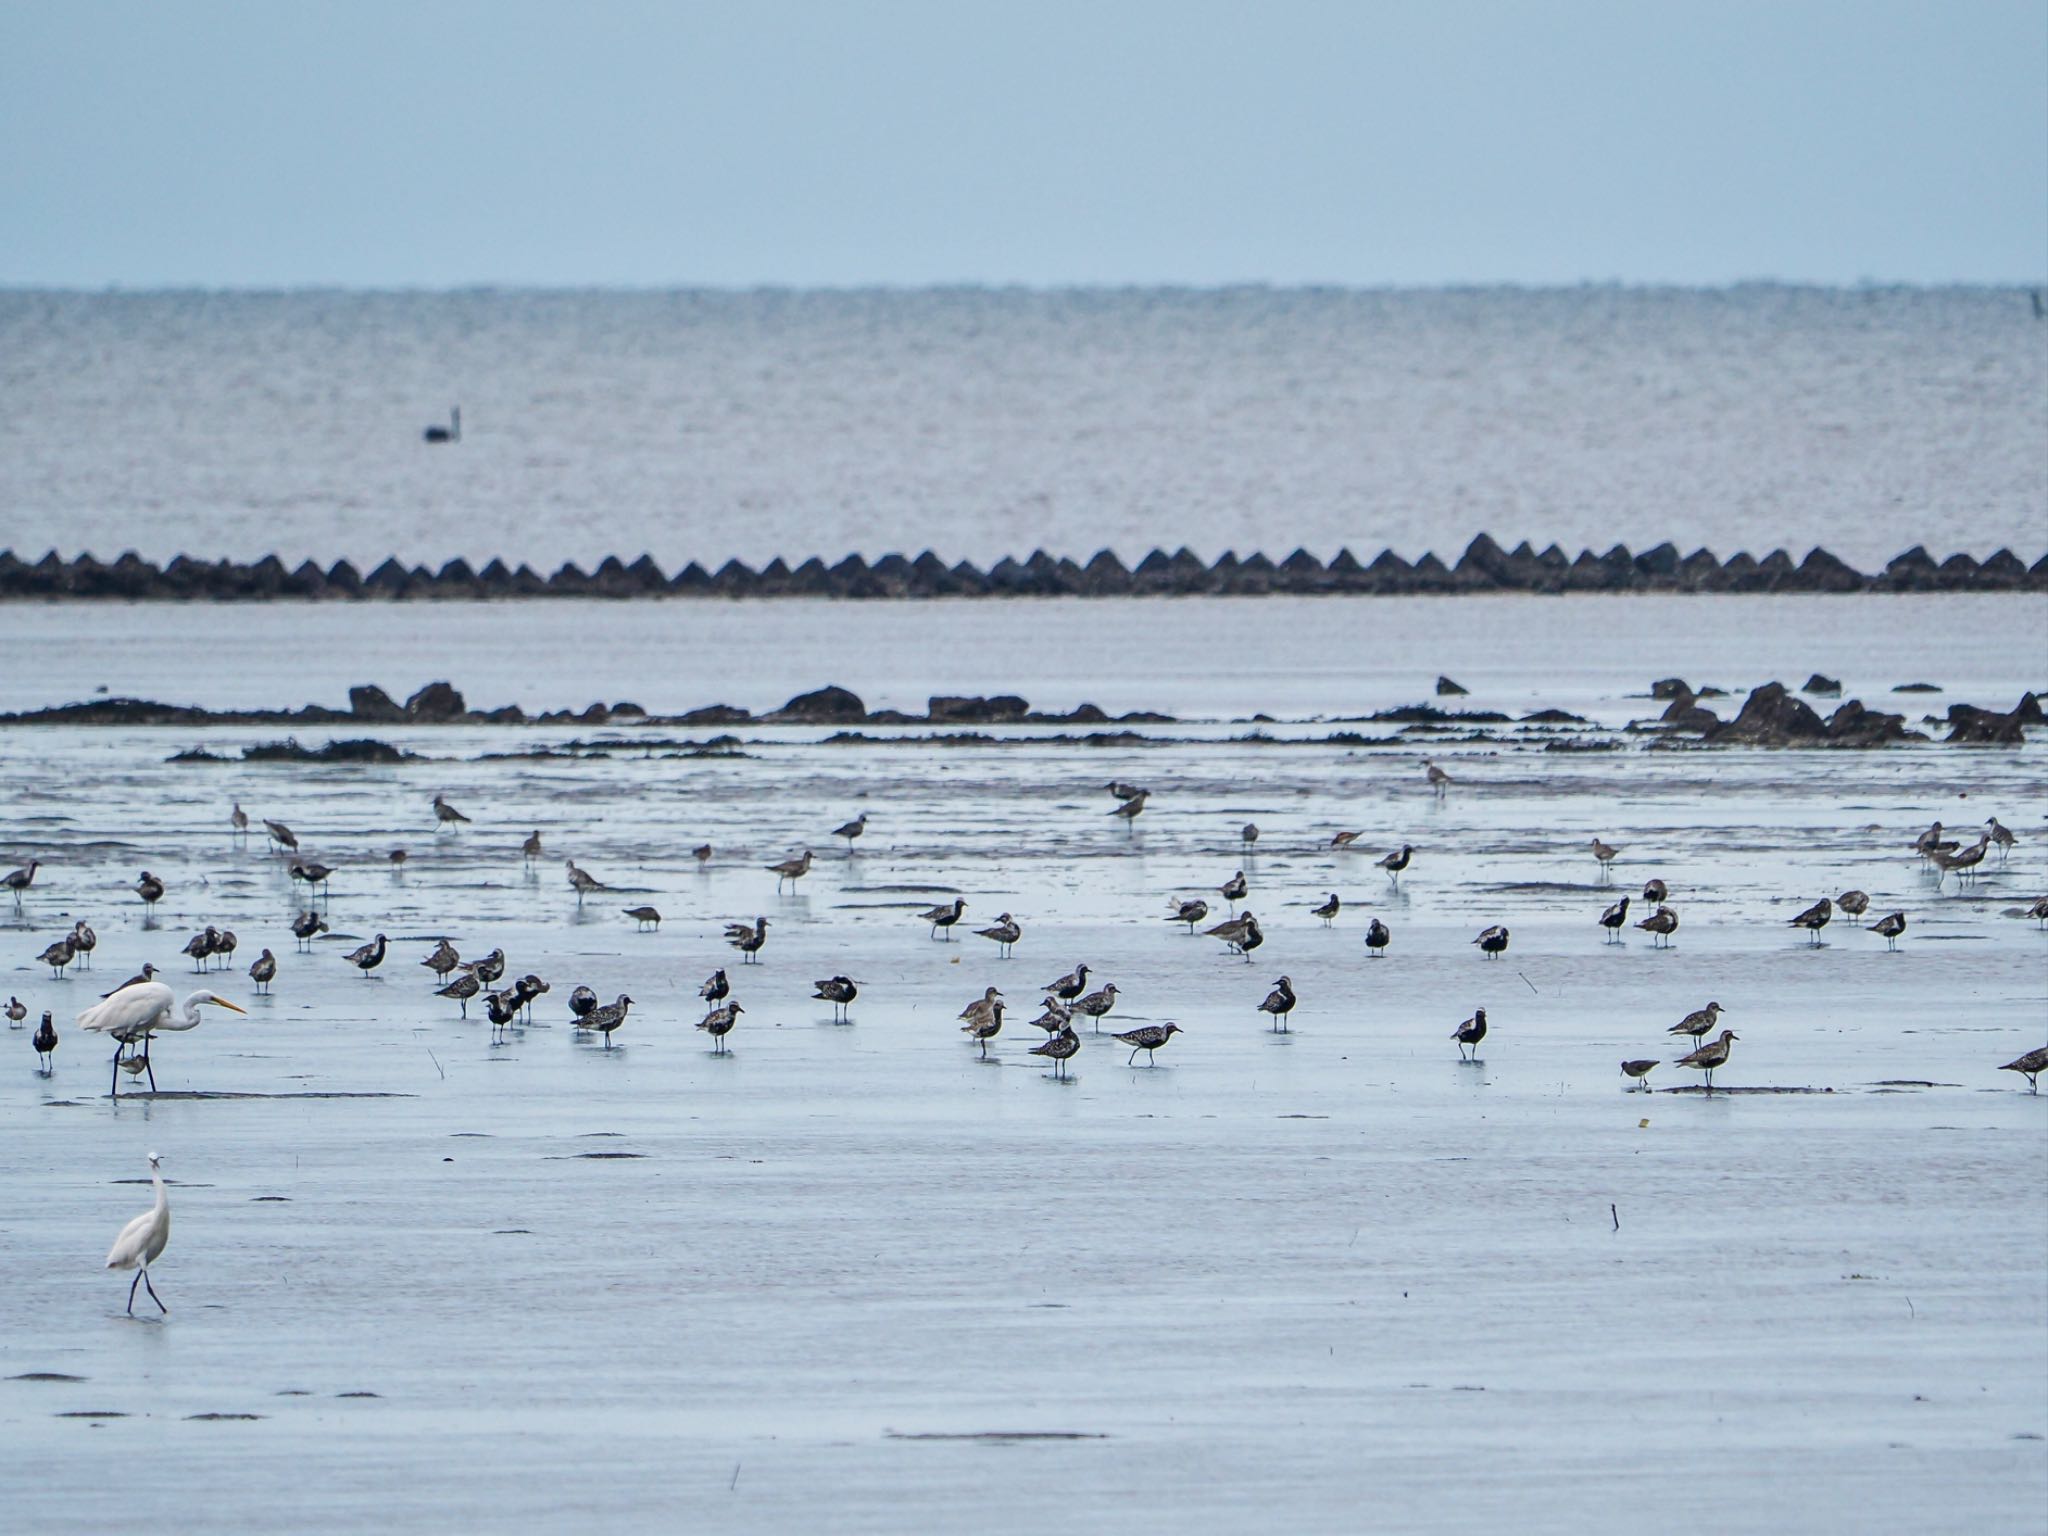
(1492, 941)
(943, 916)
(1005, 932)
(1439, 781)
(1248, 834)
(530, 849)
(1122, 791)
(396, 859)
(1279, 1002)
(1394, 863)
(147, 973)
(1059, 1049)
(2039, 911)
(445, 815)
(529, 987)
(747, 941)
(1964, 864)
(1640, 1071)
(839, 991)
(1711, 1055)
(1328, 910)
(1930, 842)
(308, 926)
(1344, 839)
(17, 1011)
(981, 1007)
(45, 1042)
(1096, 1004)
(84, 940)
(1698, 1022)
(1889, 927)
(150, 889)
(851, 829)
(224, 946)
(1132, 808)
(2031, 1066)
(1069, 986)
(367, 958)
(462, 989)
(791, 870)
(716, 987)
(985, 1026)
(1660, 925)
(238, 821)
(584, 881)
(1613, 919)
(1254, 936)
(263, 970)
(583, 1003)
(488, 969)
(608, 1018)
(702, 854)
(1471, 1032)
(2001, 838)
(1853, 903)
(1055, 1017)
(1233, 890)
(443, 960)
(718, 1024)
(1813, 919)
(281, 835)
(1241, 933)
(1148, 1038)
(1605, 855)
(312, 874)
(1655, 893)
(1377, 938)
(502, 1009)
(644, 918)
(22, 878)
(201, 947)
(143, 1240)
(1190, 911)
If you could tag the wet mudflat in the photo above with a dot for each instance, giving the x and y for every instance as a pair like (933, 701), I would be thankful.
(853, 1276)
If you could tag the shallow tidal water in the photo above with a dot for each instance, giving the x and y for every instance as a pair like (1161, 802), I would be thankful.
(853, 1277)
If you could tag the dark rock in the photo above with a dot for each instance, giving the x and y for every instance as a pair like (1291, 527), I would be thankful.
(774, 579)
(851, 578)
(1105, 576)
(1554, 717)
(1445, 688)
(1002, 709)
(1823, 572)
(1915, 688)
(594, 714)
(931, 577)
(389, 580)
(1957, 573)
(1913, 571)
(969, 579)
(1824, 687)
(360, 750)
(307, 581)
(2003, 572)
(691, 581)
(1432, 575)
(893, 576)
(735, 578)
(1344, 573)
(1852, 725)
(366, 701)
(1300, 572)
(1670, 688)
(569, 581)
(830, 705)
(1700, 571)
(1685, 715)
(435, 704)
(1742, 574)
(1772, 717)
(1659, 564)
(717, 714)
(1971, 726)
(344, 580)
(1389, 573)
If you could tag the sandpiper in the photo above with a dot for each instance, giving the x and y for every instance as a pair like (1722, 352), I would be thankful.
(1439, 781)
(839, 991)
(281, 835)
(1328, 910)
(1190, 911)
(1605, 855)
(1231, 931)
(150, 889)
(748, 941)
(583, 881)
(224, 946)
(1655, 893)
(981, 1007)
(1640, 1071)
(2030, 1066)
(1964, 864)
(445, 815)
(791, 870)
(501, 1008)
(2001, 838)
(1059, 1049)
(396, 858)
(1344, 839)
(17, 1011)
(530, 987)
(1279, 1002)
(530, 849)
(718, 1024)
(22, 878)
(852, 829)
(1613, 919)
(1148, 1038)
(1377, 938)
(582, 1004)
(1233, 890)
(1069, 986)
(263, 970)
(201, 946)
(1134, 807)
(462, 989)
(147, 973)
(608, 1018)
(716, 988)
(1492, 941)
(1394, 863)
(311, 874)
(1698, 1022)
(1660, 925)
(307, 927)
(45, 1042)
(443, 960)
(1248, 834)
(985, 1026)
(1813, 919)
(1055, 1017)
(943, 917)
(238, 821)
(644, 918)
(488, 969)
(1853, 903)
(1096, 1004)
(85, 941)
(369, 956)
(2039, 911)
(1889, 927)
(1004, 932)
(1471, 1032)
(1711, 1055)
(702, 854)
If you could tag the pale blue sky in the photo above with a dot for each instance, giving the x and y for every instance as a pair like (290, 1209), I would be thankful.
(408, 142)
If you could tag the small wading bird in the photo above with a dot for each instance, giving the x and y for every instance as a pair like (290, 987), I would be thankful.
(1605, 855)
(1148, 1038)
(1698, 1022)
(445, 815)
(1233, 890)
(2030, 1066)
(17, 1010)
(1004, 932)
(306, 927)
(791, 870)
(981, 1007)
(1120, 790)
(1055, 1017)
(1096, 1004)
(1853, 903)
(985, 1025)
(644, 918)
(718, 1024)
(1344, 839)
(501, 1008)
(1191, 911)
(57, 956)
(1377, 938)
(1711, 1055)
(2001, 838)
(1279, 1002)
(143, 1240)
(314, 874)
(2039, 911)
(281, 835)
(715, 988)
(45, 1042)
(21, 879)
(1660, 925)
(1069, 986)
(1889, 927)
(1655, 893)
(238, 821)
(607, 1019)
(150, 889)
(944, 917)
(201, 946)
(488, 969)
(147, 973)
(1813, 919)
(851, 829)
(1233, 931)
(1640, 1071)
(530, 849)
(1394, 863)
(84, 941)
(1248, 834)
(1492, 941)
(1328, 910)
(839, 991)
(1963, 865)
(747, 941)
(1613, 920)
(530, 987)
(443, 960)
(702, 854)
(263, 971)
(1059, 1049)
(583, 1003)
(1132, 808)
(134, 1013)
(224, 947)
(1439, 781)
(1471, 1032)
(583, 881)
(368, 957)
(462, 989)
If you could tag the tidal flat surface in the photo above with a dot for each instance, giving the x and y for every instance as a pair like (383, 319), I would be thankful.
(853, 1277)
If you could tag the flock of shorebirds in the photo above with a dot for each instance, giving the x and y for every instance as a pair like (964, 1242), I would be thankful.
(133, 1013)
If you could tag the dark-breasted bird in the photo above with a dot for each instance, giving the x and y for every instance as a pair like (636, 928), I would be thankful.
(1698, 1022)
(263, 970)
(1613, 919)
(1191, 911)
(367, 958)
(644, 918)
(1148, 1038)
(311, 874)
(1233, 890)
(1328, 910)
(1655, 891)
(462, 989)
(308, 926)
(2029, 1066)
(583, 1003)
(1134, 807)
(1069, 986)
(1814, 918)
(985, 1025)
(715, 986)
(1005, 931)
(1660, 925)
(17, 1011)
(1889, 927)
(1377, 938)
(1059, 1049)
(839, 991)
(1097, 1003)
(607, 1019)
(718, 1024)
(150, 889)
(943, 917)
(488, 969)
(45, 1042)
(1471, 1032)
(59, 955)
(84, 941)
(747, 941)
(1492, 941)
(1279, 1002)
(1394, 863)
(201, 947)
(1711, 1055)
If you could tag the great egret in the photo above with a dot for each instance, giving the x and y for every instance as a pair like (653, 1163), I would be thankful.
(139, 1010)
(143, 1240)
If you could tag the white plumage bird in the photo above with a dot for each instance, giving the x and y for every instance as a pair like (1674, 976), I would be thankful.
(143, 1240)
(141, 1009)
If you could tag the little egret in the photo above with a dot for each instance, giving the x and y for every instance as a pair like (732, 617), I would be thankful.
(142, 1241)
(139, 1010)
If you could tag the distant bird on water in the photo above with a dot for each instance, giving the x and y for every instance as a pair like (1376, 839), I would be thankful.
(852, 829)
(839, 991)
(715, 987)
(1853, 903)
(1133, 808)
(452, 433)
(943, 917)
(1655, 893)
(1640, 1071)
(1889, 927)
(747, 941)
(84, 941)
(1069, 986)
(530, 849)
(1660, 925)
(263, 971)
(1328, 910)
(22, 878)
(1279, 1003)
(1605, 855)
(1613, 920)
(644, 918)
(1471, 1032)
(1005, 932)
(1233, 890)
(2030, 1066)
(791, 870)
(1123, 791)
(1711, 1055)
(1190, 911)
(367, 958)
(238, 821)
(281, 835)
(607, 1019)
(702, 854)
(1492, 941)
(583, 881)
(1394, 863)
(308, 926)
(143, 1240)
(1096, 1004)
(2001, 838)
(445, 815)
(1698, 1022)
(1148, 1038)
(45, 1042)
(1248, 834)
(1377, 938)
(311, 874)
(1814, 918)
(1059, 1049)
(2039, 911)
(1439, 781)
(718, 1024)
(1344, 839)
(150, 889)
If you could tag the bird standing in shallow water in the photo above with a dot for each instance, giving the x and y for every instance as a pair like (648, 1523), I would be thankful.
(1711, 1055)
(1059, 1049)
(1096, 1004)
(150, 889)
(839, 991)
(1613, 919)
(306, 927)
(1148, 1038)
(263, 971)
(944, 917)
(583, 1003)
(1640, 1072)
(1377, 938)
(1439, 781)
(530, 849)
(1471, 1032)
(1191, 911)
(281, 836)
(791, 870)
(644, 918)
(584, 881)
(134, 1013)
(443, 960)
(852, 829)
(2001, 838)
(45, 1042)
(446, 816)
(1655, 893)
(22, 878)
(368, 957)
(1853, 903)
(985, 1026)
(1328, 910)
(1233, 890)
(1069, 986)
(1492, 941)
(17, 1011)
(714, 989)
(607, 1019)
(57, 956)
(1698, 1022)
(1279, 1003)
(1813, 919)
(718, 1024)
(1889, 927)
(1394, 863)
(84, 941)
(1132, 808)
(1660, 925)
(747, 941)
(1004, 932)
(462, 989)
(1605, 856)
(238, 821)
(2030, 1066)
(143, 1240)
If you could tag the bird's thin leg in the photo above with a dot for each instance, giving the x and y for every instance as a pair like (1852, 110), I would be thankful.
(149, 1067)
(152, 1292)
(131, 1292)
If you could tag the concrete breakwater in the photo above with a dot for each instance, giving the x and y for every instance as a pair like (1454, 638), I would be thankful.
(1483, 567)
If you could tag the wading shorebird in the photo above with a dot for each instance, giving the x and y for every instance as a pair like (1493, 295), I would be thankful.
(311, 875)
(225, 945)
(718, 1024)
(1931, 842)
(1471, 1032)
(2039, 911)
(84, 941)
(2029, 1066)
(263, 971)
(281, 836)
(1439, 781)
(1254, 936)
(1605, 855)
(2001, 838)
(150, 889)
(45, 1042)
(501, 1008)
(1190, 911)
(1655, 893)
(17, 1011)
(367, 958)
(1248, 834)
(1344, 839)
(1853, 903)
(1962, 865)
(133, 1014)
(839, 991)
(488, 969)
(985, 1026)
(1096, 1004)
(530, 987)
(1813, 919)
(444, 959)
(1660, 925)
(583, 1003)
(644, 918)
(748, 941)
(1148, 1038)
(143, 1240)
(396, 859)
(1279, 1003)
(446, 816)
(238, 821)
(1055, 1017)
(791, 870)
(201, 947)
(1132, 808)
(530, 850)
(1492, 941)
(981, 1007)
(1004, 932)
(1711, 1055)
(1640, 1071)
(851, 829)
(1889, 927)
(943, 918)
(147, 973)
(1613, 920)
(22, 878)
(307, 927)
(583, 881)
(1069, 986)
(1059, 1049)
(1328, 910)
(57, 956)
(607, 1019)
(1233, 890)
(702, 854)
(716, 988)
(1394, 863)
(1119, 790)
(1698, 1022)
(1377, 938)
(1232, 931)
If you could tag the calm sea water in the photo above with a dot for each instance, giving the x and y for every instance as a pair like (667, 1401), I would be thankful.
(701, 425)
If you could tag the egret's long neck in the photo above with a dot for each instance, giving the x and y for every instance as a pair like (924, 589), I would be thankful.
(163, 1197)
(192, 1011)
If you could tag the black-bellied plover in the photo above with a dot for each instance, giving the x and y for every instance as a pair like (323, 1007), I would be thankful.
(1279, 1002)
(1889, 927)
(443, 960)
(716, 987)
(1328, 910)
(1439, 781)
(607, 1019)
(17, 1011)
(982, 1006)
(2001, 838)
(368, 957)
(1148, 1038)
(445, 815)
(1711, 1055)
(791, 870)
(1096, 1004)
(1344, 839)
(2030, 1066)
(1069, 986)
(1698, 1022)
(839, 991)
(746, 940)
(1397, 861)
(1660, 925)
(531, 849)
(238, 821)
(84, 941)
(45, 1042)
(224, 946)
(942, 918)
(1004, 932)
(150, 889)
(1377, 938)
(1190, 911)
(582, 1004)
(1813, 919)
(488, 969)
(1233, 890)
(462, 989)
(1853, 903)
(1059, 1049)
(1132, 808)
(201, 947)
(1492, 941)
(1614, 919)
(263, 970)
(851, 829)
(985, 1025)
(1471, 1032)
(61, 954)
(307, 927)
(718, 1024)
(1054, 1017)
(1655, 893)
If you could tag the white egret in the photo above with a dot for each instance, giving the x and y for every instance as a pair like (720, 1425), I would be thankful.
(141, 1009)
(143, 1240)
